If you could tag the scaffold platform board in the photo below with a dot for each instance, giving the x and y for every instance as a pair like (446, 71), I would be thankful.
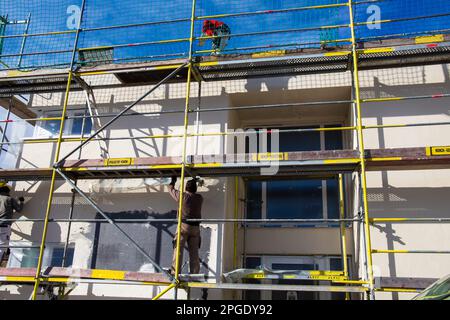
(57, 275)
(54, 274)
(289, 163)
(69, 276)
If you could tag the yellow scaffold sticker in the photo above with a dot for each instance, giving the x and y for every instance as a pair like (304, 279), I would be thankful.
(274, 53)
(438, 151)
(430, 39)
(270, 156)
(118, 162)
(325, 276)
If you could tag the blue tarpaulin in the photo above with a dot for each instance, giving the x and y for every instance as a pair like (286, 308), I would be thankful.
(138, 30)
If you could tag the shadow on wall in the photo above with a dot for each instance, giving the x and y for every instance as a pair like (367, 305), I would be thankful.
(400, 81)
(35, 207)
(409, 202)
(391, 202)
(112, 251)
(170, 98)
(406, 82)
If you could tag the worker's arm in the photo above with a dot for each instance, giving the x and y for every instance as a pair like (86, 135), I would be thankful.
(174, 193)
(17, 204)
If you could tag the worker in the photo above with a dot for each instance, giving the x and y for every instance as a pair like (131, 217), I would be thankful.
(190, 230)
(8, 205)
(218, 29)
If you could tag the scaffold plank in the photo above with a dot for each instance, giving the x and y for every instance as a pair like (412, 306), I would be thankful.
(290, 163)
(406, 282)
(275, 287)
(16, 274)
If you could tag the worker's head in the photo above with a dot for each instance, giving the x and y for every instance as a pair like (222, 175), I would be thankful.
(191, 186)
(208, 28)
(5, 189)
(206, 23)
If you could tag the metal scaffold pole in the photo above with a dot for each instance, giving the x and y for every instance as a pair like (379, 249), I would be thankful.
(360, 132)
(112, 222)
(71, 212)
(182, 177)
(184, 151)
(4, 130)
(51, 192)
(56, 159)
(236, 229)
(246, 60)
(119, 115)
(24, 40)
(236, 223)
(343, 231)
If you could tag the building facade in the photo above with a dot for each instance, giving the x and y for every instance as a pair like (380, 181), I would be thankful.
(228, 246)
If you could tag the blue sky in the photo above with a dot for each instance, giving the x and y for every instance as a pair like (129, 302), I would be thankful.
(52, 15)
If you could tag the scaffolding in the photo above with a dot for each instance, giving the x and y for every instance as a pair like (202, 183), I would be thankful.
(4, 22)
(340, 48)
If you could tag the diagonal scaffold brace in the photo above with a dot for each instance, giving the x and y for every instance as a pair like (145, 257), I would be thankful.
(110, 221)
(59, 162)
(120, 114)
(58, 166)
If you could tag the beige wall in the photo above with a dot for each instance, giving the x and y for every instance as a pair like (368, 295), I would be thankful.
(417, 194)
(391, 194)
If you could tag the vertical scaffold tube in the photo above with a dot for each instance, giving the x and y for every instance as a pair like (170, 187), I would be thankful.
(8, 118)
(57, 155)
(343, 229)
(184, 151)
(363, 173)
(236, 224)
(183, 173)
(236, 229)
(52, 189)
(191, 36)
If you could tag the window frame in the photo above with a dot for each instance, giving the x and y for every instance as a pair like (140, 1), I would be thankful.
(264, 189)
(40, 131)
(50, 249)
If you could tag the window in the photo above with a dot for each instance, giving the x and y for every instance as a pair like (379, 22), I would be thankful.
(28, 257)
(77, 125)
(275, 198)
(294, 263)
(73, 126)
(51, 127)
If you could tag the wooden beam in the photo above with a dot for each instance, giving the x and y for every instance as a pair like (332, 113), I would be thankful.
(54, 272)
(406, 282)
(290, 163)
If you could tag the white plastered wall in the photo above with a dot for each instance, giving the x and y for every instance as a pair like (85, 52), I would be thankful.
(403, 194)
(391, 194)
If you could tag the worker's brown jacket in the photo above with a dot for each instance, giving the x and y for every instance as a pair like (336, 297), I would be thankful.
(192, 204)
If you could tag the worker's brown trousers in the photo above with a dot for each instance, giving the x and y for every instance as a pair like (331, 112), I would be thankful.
(191, 235)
